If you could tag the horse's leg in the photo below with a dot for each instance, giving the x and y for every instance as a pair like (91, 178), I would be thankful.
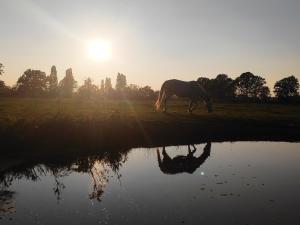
(165, 154)
(191, 105)
(194, 147)
(166, 97)
(189, 149)
(191, 152)
(195, 105)
(165, 105)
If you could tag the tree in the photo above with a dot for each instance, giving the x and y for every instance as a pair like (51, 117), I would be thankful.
(102, 87)
(107, 86)
(1, 69)
(121, 82)
(32, 83)
(264, 93)
(67, 84)
(2, 84)
(88, 89)
(205, 82)
(286, 87)
(4, 90)
(52, 82)
(221, 88)
(146, 92)
(249, 85)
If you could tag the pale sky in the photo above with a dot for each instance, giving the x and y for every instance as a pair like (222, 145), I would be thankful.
(152, 41)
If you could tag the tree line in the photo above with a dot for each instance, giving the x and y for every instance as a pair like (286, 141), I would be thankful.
(250, 88)
(245, 88)
(35, 83)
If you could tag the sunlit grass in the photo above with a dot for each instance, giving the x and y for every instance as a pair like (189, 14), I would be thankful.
(13, 109)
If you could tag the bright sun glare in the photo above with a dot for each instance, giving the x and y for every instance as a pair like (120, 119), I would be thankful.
(99, 50)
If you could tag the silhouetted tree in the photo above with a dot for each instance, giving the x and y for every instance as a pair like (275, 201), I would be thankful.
(2, 84)
(67, 84)
(264, 93)
(52, 82)
(146, 92)
(1, 69)
(249, 85)
(102, 87)
(286, 87)
(88, 89)
(121, 82)
(205, 82)
(32, 83)
(221, 88)
(5, 90)
(108, 86)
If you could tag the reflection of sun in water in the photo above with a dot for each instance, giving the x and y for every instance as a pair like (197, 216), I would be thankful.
(99, 50)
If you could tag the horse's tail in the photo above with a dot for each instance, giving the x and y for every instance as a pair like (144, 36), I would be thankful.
(161, 96)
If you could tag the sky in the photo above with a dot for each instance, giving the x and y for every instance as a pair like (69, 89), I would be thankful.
(152, 41)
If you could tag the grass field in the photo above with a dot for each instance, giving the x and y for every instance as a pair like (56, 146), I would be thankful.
(13, 109)
(74, 122)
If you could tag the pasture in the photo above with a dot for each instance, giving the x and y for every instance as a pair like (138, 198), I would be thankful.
(92, 124)
(14, 109)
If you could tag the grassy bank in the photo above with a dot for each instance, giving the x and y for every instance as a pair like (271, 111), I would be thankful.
(72, 124)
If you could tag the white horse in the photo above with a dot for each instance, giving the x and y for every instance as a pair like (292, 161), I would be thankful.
(188, 89)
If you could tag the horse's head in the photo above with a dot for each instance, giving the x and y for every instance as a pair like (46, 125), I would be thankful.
(208, 103)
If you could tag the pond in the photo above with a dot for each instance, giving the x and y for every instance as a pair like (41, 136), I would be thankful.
(209, 183)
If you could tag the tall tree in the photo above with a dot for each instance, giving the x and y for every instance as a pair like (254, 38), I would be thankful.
(121, 82)
(52, 81)
(32, 83)
(287, 87)
(67, 84)
(249, 85)
(107, 86)
(102, 87)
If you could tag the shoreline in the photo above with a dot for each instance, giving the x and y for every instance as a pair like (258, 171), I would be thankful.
(90, 135)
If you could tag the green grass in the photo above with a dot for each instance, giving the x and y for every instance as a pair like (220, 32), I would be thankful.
(75, 123)
(14, 109)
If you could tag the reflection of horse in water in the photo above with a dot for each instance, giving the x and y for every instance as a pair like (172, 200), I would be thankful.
(180, 163)
(191, 89)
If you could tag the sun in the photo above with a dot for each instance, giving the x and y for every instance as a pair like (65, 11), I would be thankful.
(98, 50)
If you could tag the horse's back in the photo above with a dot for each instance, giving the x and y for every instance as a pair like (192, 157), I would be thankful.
(179, 87)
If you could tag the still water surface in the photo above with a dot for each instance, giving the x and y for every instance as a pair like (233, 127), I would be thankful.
(219, 183)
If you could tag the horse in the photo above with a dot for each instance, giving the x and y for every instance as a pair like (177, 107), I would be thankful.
(182, 164)
(188, 89)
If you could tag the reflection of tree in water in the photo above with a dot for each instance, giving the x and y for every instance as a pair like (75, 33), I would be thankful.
(97, 166)
(99, 174)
